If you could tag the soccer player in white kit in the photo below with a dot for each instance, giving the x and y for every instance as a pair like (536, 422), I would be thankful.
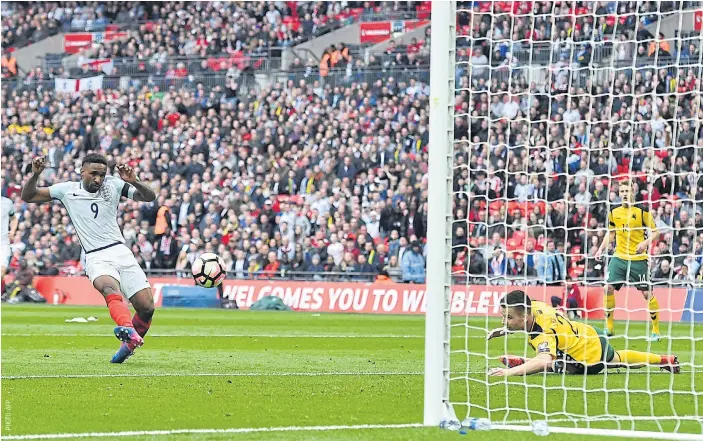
(7, 212)
(110, 265)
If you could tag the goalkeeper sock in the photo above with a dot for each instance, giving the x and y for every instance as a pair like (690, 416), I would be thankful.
(609, 312)
(654, 314)
(141, 326)
(119, 311)
(635, 357)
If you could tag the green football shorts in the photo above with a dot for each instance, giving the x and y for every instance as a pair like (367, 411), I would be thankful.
(628, 272)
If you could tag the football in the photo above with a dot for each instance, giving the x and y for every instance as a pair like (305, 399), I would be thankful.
(208, 270)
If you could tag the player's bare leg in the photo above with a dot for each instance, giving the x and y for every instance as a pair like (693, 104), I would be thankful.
(653, 314)
(609, 304)
(109, 287)
(143, 303)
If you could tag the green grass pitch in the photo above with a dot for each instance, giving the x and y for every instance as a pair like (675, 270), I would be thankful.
(244, 371)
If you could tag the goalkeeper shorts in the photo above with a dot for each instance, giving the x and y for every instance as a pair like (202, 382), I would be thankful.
(566, 364)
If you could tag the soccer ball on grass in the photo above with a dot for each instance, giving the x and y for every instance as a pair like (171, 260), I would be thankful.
(208, 270)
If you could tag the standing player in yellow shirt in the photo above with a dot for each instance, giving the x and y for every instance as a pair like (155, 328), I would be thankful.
(628, 225)
(562, 345)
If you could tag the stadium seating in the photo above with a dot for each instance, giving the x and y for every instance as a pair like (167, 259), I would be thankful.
(240, 150)
(24, 23)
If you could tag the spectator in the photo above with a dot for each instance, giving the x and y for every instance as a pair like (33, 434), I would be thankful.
(145, 249)
(373, 225)
(166, 250)
(347, 267)
(692, 266)
(413, 266)
(518, 269)
(595, 269)
(46, 267)
(9, 65)
(363, 268)
(498, 265)
(315, 267)
(683, 275)
(554, 265)
(570, 302)
(378, 258)
(393, 269)
(383, 277)
(240, 266)
(662, 272)
(272, 266)
(19, 290)
(523, 189)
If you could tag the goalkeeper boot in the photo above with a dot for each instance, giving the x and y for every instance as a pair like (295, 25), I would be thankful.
(653, 337)
(671, 364)
(125, 351)
(129, 336)
(511, 360)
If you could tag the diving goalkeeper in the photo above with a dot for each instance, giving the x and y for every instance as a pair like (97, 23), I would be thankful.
(563, 346)
(627, 224)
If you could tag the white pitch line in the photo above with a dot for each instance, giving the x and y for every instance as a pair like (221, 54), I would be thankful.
(211, 374)
(580, 419)
(242, 335)
(285, 374)
(205, 431)
(510, 425)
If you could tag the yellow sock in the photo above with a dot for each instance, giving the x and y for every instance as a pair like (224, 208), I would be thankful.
(609, 312)
(635, 357)
(654, 314)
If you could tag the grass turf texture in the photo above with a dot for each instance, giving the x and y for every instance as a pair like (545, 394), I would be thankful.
(221, 369)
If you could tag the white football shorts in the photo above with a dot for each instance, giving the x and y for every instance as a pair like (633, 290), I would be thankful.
(119, 263)
(5, 256)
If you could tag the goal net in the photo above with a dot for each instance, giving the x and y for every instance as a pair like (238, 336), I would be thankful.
(541, 114)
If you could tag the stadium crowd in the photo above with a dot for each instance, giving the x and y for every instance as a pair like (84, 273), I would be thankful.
(178, 29)
(24, 23)
(306, 179)
(211, 37)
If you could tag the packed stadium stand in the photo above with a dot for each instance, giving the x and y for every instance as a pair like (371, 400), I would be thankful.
(320, 170)
(24, 23)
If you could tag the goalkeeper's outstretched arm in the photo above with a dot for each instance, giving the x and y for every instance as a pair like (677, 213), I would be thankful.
(540, 363)
(497, 332)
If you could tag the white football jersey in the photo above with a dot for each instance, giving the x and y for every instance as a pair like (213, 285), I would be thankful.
(8, 210)
(94, 215)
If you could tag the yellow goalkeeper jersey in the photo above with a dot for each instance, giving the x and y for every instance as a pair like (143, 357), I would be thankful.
(630, 225)
(552, 333)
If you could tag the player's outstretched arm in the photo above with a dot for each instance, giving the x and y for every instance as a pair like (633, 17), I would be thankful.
(535, 365)
(143, 192)
(30, 191)
(497, 332)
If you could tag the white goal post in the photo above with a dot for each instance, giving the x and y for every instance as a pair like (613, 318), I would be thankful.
(440, 216)
(606, 46)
